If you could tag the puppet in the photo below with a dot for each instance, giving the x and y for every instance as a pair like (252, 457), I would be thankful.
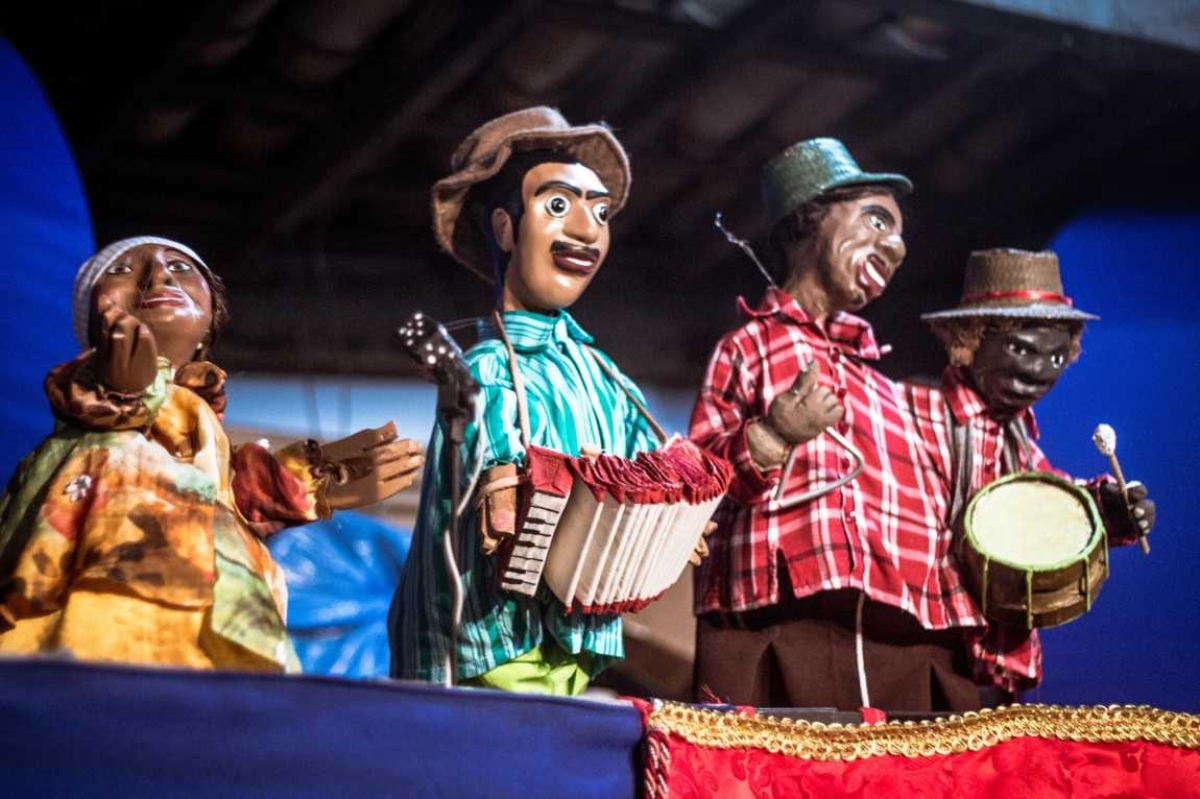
(133, 532)
(824, 586)
(1009, 340)
(528, 206)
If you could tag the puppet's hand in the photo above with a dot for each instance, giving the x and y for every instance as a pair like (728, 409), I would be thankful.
(1127, 521)
(370, 466)
(498, 506)
(126, 354)
(701, 550)
(803, 411)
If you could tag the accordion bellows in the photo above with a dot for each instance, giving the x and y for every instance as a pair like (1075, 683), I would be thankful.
(607, 534)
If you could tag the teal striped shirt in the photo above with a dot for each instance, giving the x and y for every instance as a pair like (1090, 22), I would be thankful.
(572, 404)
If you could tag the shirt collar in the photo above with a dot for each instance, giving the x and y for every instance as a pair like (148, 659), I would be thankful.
(966, 404)
(532, 332)
(850, 333)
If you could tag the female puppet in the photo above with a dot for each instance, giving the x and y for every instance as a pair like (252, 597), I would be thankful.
(1009, 340)
(134, 531)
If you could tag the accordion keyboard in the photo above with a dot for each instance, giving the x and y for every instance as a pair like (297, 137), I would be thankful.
(531, 544)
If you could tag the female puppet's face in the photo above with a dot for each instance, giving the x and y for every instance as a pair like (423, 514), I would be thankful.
(562, 241)
(166, 291)
(1014, 369)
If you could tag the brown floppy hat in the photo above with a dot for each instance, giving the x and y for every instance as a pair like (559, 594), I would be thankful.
(484, 153)
(1013, 284)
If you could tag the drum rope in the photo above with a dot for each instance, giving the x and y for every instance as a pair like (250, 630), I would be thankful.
(1029, 599)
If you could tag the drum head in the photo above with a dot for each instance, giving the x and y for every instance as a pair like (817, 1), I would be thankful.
(1032, 520)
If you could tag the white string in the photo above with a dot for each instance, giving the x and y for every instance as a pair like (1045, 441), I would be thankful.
(863, 694)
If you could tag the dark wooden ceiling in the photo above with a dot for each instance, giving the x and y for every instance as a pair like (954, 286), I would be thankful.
(294, 142)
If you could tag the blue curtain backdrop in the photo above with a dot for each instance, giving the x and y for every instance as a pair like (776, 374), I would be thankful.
(1139, 372)
(45, 233)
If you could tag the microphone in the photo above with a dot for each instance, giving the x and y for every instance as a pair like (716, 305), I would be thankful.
(440, 360)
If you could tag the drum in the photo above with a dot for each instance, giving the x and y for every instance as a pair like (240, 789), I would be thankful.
(1034, 549)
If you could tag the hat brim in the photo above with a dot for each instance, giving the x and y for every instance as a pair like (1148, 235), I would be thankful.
(894, 181)
(593, 145)
(1049, 312)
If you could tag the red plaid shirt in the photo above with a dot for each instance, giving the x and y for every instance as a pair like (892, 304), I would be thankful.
(877, 534)
(1008, 657)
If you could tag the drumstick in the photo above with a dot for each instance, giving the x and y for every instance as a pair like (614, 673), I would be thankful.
(1105, 439)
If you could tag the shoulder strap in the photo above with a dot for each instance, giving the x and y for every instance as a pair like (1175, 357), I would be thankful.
(518, 381)
(637, 403)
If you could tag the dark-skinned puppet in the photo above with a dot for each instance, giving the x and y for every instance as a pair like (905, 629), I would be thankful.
(825, 586)
(1009, 340)
(528, 206)
(134, 531)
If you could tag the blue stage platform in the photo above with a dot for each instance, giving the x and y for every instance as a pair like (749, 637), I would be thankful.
(83, 730)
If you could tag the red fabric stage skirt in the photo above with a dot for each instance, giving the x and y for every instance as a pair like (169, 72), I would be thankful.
(1018, 751)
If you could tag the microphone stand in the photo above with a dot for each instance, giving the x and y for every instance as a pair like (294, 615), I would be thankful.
(440, 360)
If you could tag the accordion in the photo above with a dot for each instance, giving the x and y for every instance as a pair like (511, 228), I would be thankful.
(607, 534)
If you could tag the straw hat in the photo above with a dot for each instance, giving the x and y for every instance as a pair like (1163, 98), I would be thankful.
(484, 153)
(809, 168)
(1012, 284)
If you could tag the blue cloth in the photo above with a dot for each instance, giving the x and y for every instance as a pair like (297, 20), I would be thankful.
(341, 574)
(45, 234)
(81, 730)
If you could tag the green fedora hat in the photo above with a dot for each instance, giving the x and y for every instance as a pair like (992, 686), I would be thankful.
(810, 168)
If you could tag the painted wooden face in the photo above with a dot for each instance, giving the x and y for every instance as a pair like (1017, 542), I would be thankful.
(1014, 369)
(562, 240)
(860, 245)
(166, 291)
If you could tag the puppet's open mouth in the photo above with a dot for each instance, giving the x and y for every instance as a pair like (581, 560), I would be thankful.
(581, 260)
(873, 275)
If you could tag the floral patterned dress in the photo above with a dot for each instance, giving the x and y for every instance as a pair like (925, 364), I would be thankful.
(133, 533)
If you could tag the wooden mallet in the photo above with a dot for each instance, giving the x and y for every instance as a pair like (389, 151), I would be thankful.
(1105, 439)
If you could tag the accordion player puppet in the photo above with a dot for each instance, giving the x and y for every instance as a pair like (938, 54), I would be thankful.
(527, 207)
(1009, 340)
(133, 532)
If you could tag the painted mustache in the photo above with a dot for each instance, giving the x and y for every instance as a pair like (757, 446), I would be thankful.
(575, 249)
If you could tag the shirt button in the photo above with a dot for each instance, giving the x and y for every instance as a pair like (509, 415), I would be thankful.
(843, 428)
(835, 355)
(841, 392)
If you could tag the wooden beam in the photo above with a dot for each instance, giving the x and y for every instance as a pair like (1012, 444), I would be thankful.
(387, 98)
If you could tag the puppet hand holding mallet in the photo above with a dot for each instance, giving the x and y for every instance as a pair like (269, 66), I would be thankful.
(1124, 500)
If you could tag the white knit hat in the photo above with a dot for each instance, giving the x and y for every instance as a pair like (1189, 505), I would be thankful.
(97, 265)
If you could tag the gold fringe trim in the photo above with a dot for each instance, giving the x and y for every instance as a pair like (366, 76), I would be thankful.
(971, 731)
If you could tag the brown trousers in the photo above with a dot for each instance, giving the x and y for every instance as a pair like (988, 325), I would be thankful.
(801, 653)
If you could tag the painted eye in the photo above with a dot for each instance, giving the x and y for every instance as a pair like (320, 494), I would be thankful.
(877, 223)
(178, 266)
(600, 211)
(557, 206)
(118, 269)
(1058, 360)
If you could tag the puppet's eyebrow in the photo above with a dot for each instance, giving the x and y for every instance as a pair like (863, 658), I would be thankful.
(879, 209)
(557, 184)
(591, 195)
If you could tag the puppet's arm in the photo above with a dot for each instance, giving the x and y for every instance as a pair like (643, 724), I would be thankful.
(724, 412)
(496, 439)
(306, 481)
(727, 420)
